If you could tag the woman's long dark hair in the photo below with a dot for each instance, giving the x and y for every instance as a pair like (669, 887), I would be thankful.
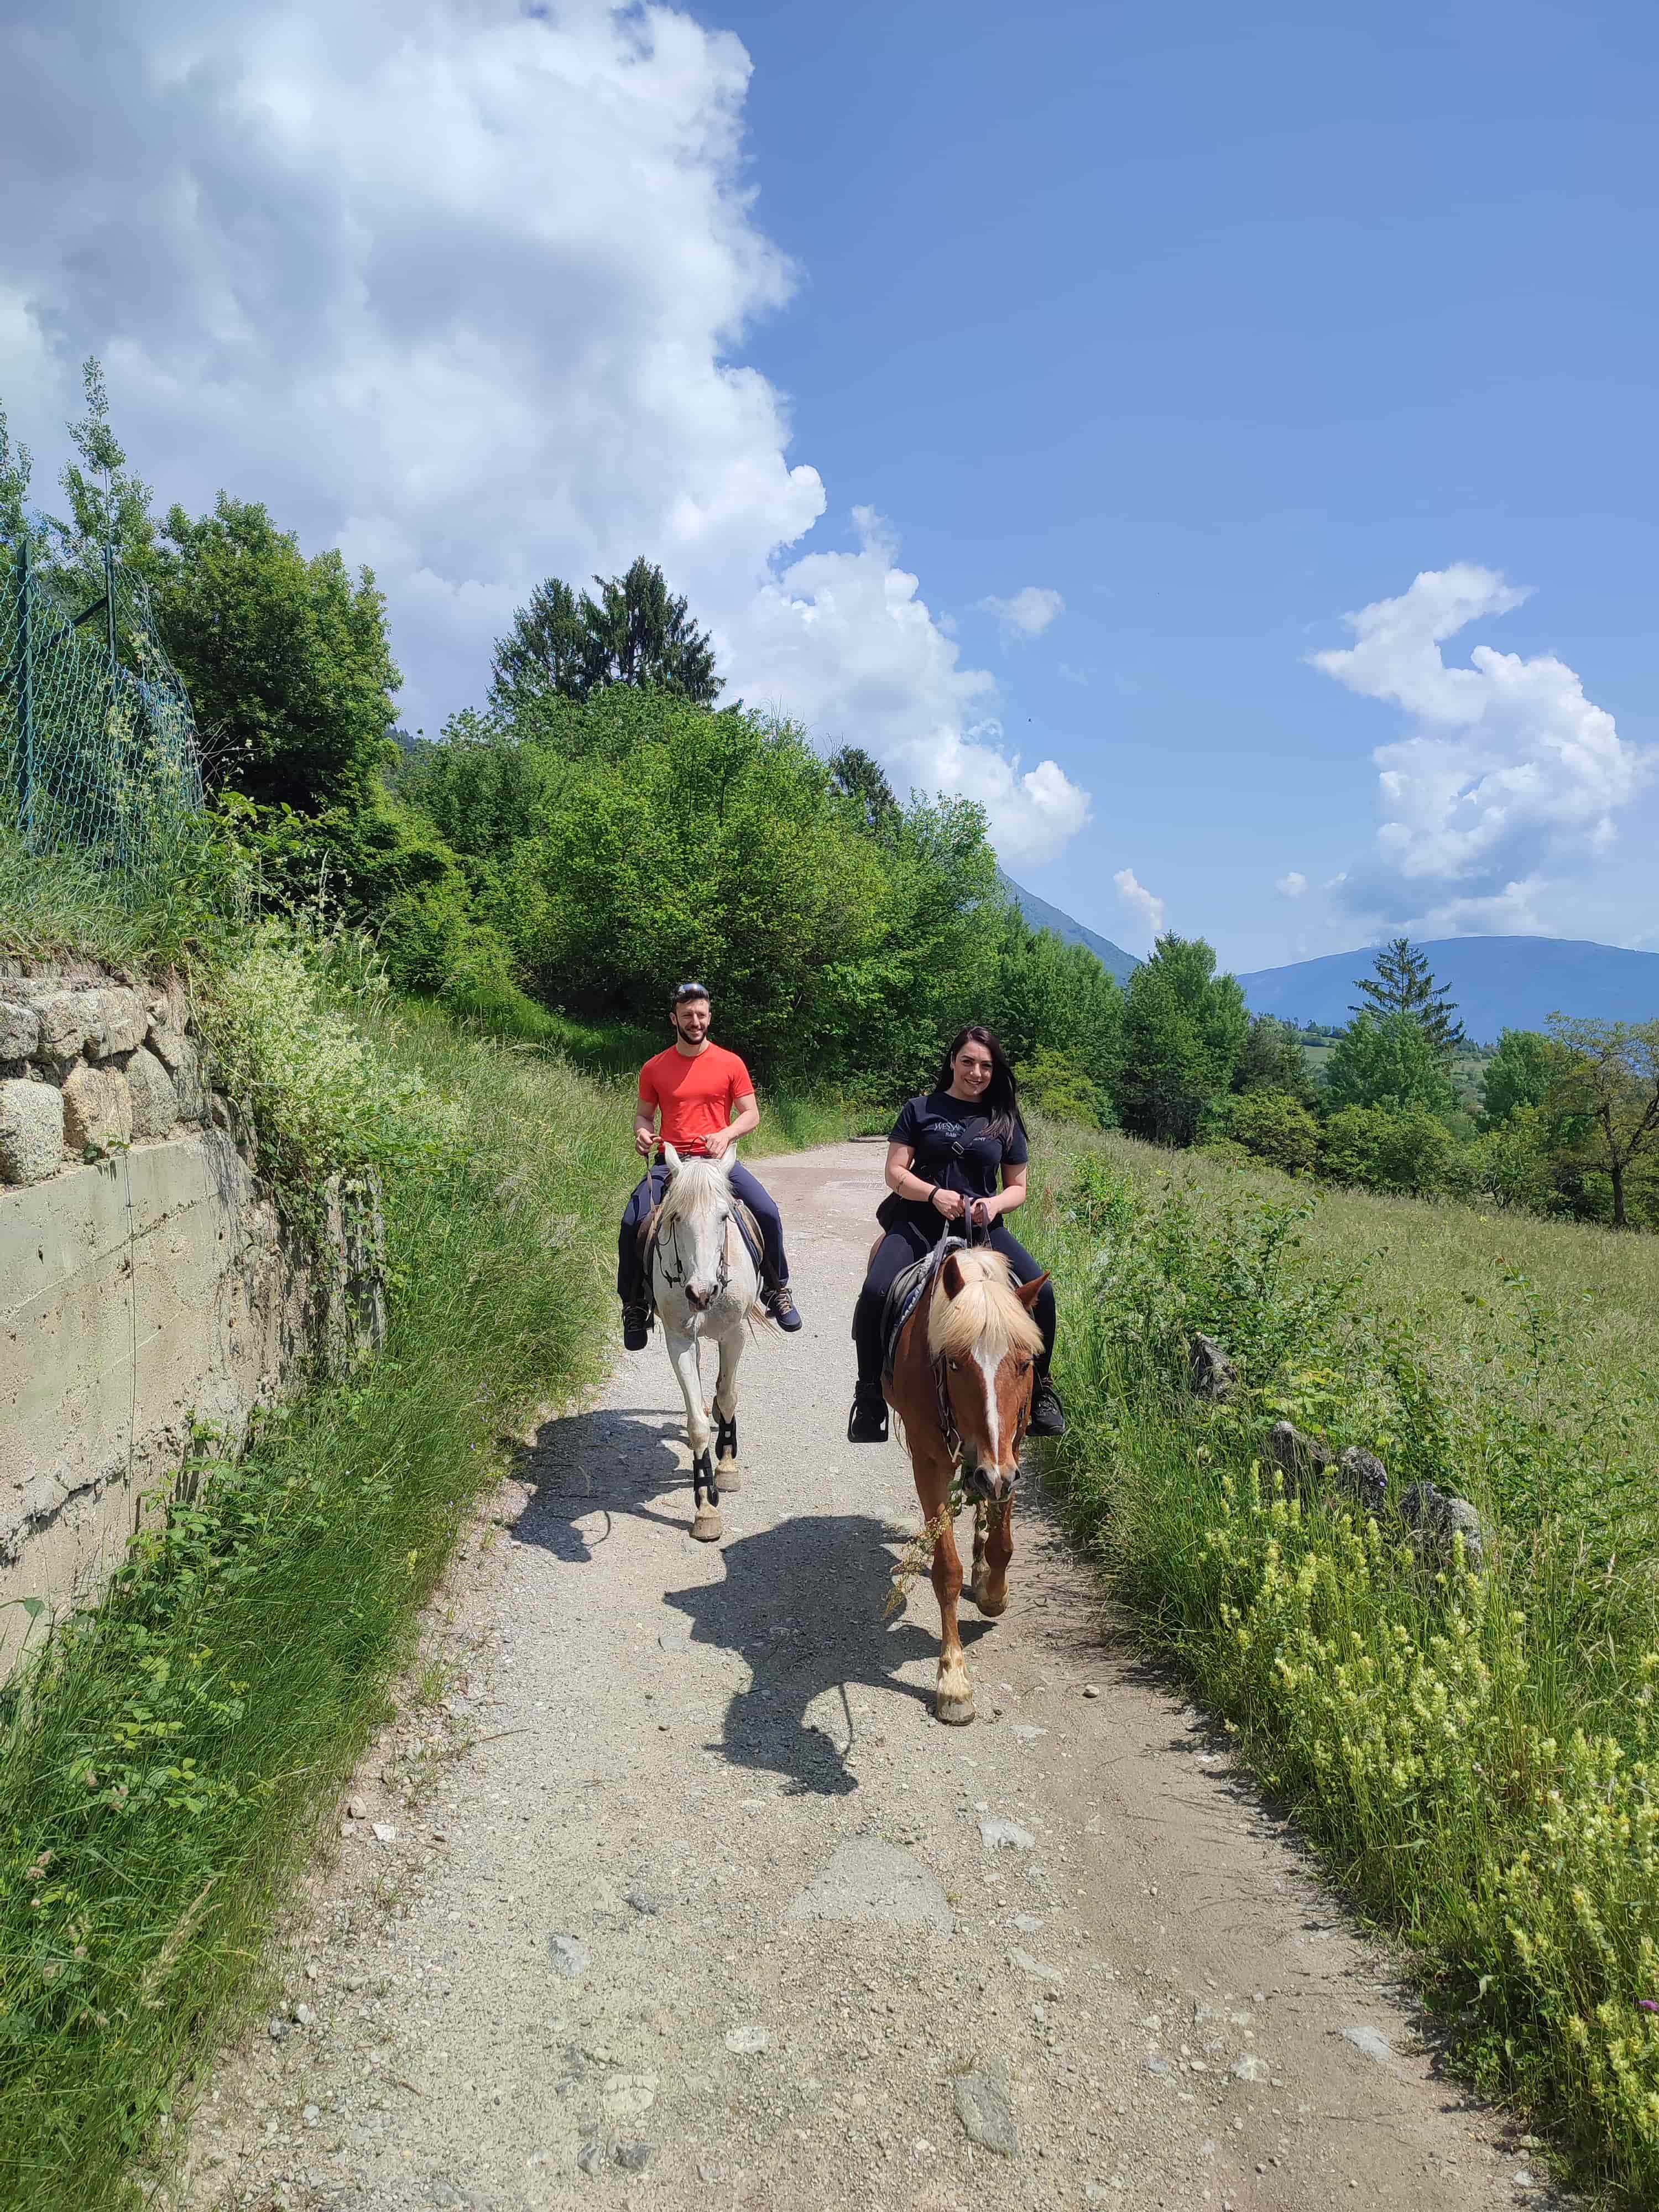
(1000, 1101)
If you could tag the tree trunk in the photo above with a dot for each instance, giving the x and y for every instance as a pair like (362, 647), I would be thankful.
(1617, 1172)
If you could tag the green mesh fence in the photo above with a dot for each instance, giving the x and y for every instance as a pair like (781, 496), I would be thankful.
(98, 748)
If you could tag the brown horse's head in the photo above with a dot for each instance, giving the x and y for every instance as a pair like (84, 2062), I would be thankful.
(980, 1328)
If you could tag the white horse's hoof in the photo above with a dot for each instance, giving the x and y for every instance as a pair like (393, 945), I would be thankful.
(728, 1474)
(705, 1527)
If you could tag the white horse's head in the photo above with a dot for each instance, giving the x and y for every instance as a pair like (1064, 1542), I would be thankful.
(696, 1210)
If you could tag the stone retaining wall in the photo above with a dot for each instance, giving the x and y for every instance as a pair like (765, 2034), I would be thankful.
(90, 1061)
(146, 1281)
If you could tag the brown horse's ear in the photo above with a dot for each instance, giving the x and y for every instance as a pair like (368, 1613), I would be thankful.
(950, 1276)
(1028, 1293)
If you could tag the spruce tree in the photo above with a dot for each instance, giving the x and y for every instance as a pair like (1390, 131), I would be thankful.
(1404, 984)
(636, 632)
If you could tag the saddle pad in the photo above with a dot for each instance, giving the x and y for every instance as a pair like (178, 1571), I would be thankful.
(905, 1294)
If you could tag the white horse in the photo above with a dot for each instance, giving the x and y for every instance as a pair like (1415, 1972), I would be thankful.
(704, 1284)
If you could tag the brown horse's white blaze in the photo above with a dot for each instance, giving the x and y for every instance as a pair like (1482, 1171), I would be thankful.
(970, 1350)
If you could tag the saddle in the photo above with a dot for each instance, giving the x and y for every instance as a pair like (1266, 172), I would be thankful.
(905, 1294)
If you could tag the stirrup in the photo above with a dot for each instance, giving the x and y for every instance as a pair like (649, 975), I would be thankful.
(866, 1424)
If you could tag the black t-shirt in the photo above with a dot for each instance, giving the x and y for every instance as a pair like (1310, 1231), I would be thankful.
(933, 1127)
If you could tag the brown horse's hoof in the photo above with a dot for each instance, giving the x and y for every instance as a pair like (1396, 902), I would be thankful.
(955, 1712)
(705, 1527)
(991, 1607)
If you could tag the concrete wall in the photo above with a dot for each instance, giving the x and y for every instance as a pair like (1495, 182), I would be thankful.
(134, 1293)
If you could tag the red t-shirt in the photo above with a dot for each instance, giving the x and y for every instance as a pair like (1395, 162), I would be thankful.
(695, 1094)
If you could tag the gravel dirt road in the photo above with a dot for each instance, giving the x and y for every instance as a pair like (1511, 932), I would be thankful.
(668, 1890)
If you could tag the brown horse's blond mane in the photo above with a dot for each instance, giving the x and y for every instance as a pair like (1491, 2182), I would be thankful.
(984, 1315)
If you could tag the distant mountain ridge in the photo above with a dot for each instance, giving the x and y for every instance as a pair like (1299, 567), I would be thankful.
(1042, 915)
(1499, 983)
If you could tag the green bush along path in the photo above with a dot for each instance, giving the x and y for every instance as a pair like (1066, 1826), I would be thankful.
(684, 1898)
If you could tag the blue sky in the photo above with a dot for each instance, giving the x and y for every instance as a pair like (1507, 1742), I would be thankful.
(1222, 321)
(1210, 325)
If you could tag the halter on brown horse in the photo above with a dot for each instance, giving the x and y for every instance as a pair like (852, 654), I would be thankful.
(961, 1387)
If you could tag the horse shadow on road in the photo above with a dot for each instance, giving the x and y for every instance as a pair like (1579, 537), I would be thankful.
(800, 1601)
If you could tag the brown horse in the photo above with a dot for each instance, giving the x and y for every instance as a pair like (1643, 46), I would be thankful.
(961, 1387)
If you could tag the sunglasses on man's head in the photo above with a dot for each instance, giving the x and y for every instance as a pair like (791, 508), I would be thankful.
(689, 991)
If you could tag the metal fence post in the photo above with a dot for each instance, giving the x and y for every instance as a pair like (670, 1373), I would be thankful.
(25, 696)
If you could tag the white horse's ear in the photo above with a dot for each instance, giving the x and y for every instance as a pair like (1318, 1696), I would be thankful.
(670, 1156)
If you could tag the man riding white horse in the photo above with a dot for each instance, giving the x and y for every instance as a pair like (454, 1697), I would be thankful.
(699, 1098)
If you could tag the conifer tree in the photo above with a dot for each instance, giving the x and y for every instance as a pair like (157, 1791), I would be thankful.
(1404, 984)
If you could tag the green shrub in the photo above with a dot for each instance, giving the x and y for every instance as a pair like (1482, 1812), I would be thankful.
(1377, 1148)
(1057, 1083)
(1274, 1127)
(292, 1051)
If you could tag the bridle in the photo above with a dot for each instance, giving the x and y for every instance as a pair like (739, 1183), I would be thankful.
(941, 1365)
(678, 1281)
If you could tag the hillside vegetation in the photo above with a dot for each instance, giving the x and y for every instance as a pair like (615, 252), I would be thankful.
(1477, 1753)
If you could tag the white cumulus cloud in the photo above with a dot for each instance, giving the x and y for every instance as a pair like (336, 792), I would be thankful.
(1146, 905)
(463, 286)
(1292, 886)
(1030, 611)
(1510, 781)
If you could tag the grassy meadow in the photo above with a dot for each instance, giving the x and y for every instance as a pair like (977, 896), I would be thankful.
(1477, 1755)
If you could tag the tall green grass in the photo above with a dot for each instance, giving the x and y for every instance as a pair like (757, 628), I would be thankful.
(1478, 1754)
(167, 1762)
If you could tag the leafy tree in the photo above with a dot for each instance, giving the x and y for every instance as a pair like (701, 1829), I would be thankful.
(1275, 1126)
(1062, 1086)
(1383, 1148)
(1272, 1058)
(1403, 985)
(1611, 1077)
(109, 505)
(1388, 1060)
(636, 632)
(286, 659)
(1516, 1161)
(1522, 1072)
(16, 467)
(1184, 1030)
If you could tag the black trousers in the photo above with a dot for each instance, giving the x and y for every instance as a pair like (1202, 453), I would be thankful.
(907, 1243)
(630, 1278)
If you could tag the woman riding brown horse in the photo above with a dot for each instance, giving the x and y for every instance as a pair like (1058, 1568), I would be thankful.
(955, 1165)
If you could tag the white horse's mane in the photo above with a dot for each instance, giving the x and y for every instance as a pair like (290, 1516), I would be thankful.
(697, 1186)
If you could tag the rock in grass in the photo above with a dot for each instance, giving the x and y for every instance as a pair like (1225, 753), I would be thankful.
(1300, 1456)
(982, 2107)
(1364, 1478)
(1436, 1518)
(1214, 1376)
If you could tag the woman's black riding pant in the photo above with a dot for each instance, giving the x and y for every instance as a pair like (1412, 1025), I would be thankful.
(908, 1243)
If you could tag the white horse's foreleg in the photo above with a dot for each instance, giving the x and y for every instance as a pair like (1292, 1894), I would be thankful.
(727, 1462)
(683, 1355)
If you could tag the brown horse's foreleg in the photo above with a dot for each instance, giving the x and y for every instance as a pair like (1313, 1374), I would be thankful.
(954, 1701)
(993, 1547)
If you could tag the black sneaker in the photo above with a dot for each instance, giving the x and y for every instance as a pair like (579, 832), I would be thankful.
(781, 1307)
(1048, 1414)
(636, 1327)
(867, 1422)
